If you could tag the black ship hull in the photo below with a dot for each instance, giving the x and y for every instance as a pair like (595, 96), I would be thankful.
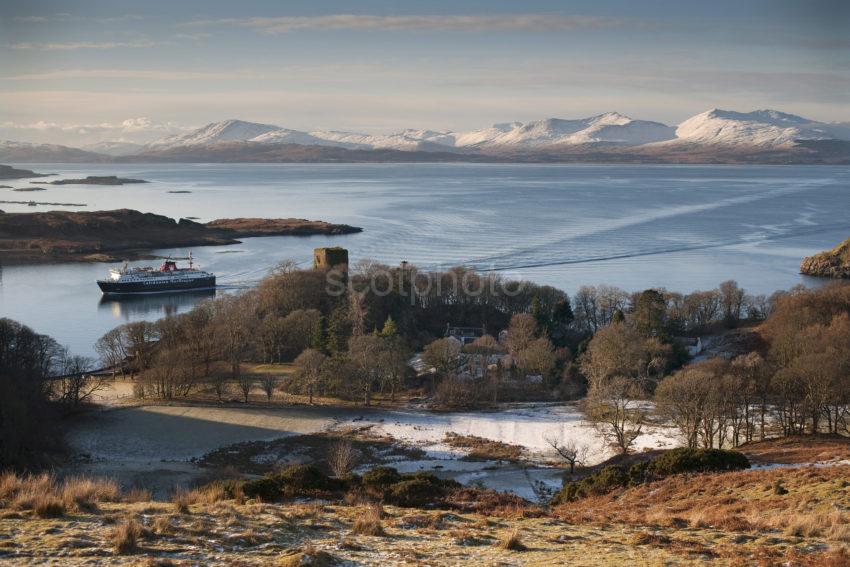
(121, 288)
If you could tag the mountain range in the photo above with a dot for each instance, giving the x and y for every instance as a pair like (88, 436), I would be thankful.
(713, 136)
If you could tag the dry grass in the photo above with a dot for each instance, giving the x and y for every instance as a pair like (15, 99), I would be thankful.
(370, 523)
(136, 495)
(816, 504)
(83, 493)
(126, 535)
(48, 506)
(511, 541)
(45, 496)
(180, 500)
(798, 449)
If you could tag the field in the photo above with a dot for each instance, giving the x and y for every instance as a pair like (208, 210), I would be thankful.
(720, 519)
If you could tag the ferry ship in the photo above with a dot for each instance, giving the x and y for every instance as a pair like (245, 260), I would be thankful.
(167, 278)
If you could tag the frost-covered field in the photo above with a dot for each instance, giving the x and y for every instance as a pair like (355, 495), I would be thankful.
(156, 446)
(528, 426)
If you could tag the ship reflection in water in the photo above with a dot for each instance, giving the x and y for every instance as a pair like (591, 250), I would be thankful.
(129, 307)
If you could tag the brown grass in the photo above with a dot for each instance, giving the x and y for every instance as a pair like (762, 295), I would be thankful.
(816, 504)
(511, 541)
(180, 500)
(126, 535)
(83, 493)
(370, 522)
(48, 506)
(136, 495)
(798, 449)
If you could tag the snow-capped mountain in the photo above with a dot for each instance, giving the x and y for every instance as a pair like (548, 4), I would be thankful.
(722, 134)
(757, 128)
(227, 131)
(609, 128)
(408, 140)
(115, 148)
(287, 136)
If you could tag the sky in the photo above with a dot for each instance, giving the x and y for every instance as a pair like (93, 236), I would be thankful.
(76, 72)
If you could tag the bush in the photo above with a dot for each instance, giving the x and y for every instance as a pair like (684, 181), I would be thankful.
(265, 489)
(677, 461)
(299, 479)
(413, 493)
(381, 477)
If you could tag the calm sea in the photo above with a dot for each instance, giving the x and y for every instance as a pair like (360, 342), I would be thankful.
(633, 226)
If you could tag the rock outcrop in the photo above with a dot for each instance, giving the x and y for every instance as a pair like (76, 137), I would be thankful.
(833, 263)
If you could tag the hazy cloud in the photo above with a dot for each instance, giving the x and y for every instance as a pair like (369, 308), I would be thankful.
(129, 74)
(477, 23)
(67, 46)
(72, 18)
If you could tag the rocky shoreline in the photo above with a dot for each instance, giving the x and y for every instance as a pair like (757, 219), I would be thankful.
(108, 236)
(833, 263)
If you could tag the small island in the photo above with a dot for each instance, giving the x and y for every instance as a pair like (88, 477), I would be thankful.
(98, 180)
(833, 263)
(109, 236)
(29, 189)
(9, 172)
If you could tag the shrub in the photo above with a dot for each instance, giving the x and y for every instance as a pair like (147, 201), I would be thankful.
(266, 489)
(414, 493)
(381, 477)
(602, 482)
(683, 460)
(304, 478)
(675, 461)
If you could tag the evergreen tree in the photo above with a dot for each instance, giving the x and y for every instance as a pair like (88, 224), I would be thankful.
(320, 341)
(542, 318)
(389, 329)
(650, 313)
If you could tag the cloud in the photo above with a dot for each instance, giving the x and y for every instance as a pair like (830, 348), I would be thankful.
(137, 130)
(475, 23)
(83, 45)
(129, 74)
(72, 18)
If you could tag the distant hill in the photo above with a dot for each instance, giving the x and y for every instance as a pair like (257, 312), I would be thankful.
(23, 152)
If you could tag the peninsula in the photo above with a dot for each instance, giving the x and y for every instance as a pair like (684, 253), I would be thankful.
(107, 236)
(98, 180)
(833, 263)
(9, 172)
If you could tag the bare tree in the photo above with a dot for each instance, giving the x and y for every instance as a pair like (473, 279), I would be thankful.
(268, 383)
(571, 451)
(615, 409)
(342, 458)
(77, 384)
(246, 384)
(309, 374)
